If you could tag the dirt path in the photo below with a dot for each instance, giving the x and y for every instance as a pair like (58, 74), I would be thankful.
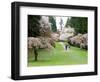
(63, 45)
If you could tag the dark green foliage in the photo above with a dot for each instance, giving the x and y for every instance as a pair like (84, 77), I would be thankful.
(78, 23)
(33, 25)
(53, 23)
(68, 22)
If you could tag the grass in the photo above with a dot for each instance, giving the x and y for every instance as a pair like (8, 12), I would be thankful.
(58, 56)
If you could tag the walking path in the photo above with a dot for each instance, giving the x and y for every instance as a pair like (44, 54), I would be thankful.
(63, 45)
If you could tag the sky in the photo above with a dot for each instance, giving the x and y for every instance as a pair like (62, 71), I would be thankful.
(58, 21)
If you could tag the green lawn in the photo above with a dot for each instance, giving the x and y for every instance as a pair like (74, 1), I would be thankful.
(58, 56)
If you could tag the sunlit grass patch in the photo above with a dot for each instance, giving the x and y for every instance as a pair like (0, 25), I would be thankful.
(58, 56)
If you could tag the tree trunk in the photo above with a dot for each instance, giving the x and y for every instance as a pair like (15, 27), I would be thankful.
(35, 53)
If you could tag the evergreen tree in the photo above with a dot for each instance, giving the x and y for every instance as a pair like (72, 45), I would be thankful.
(53, 23)
(67, 23)
(78, 23)
(33, 25)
